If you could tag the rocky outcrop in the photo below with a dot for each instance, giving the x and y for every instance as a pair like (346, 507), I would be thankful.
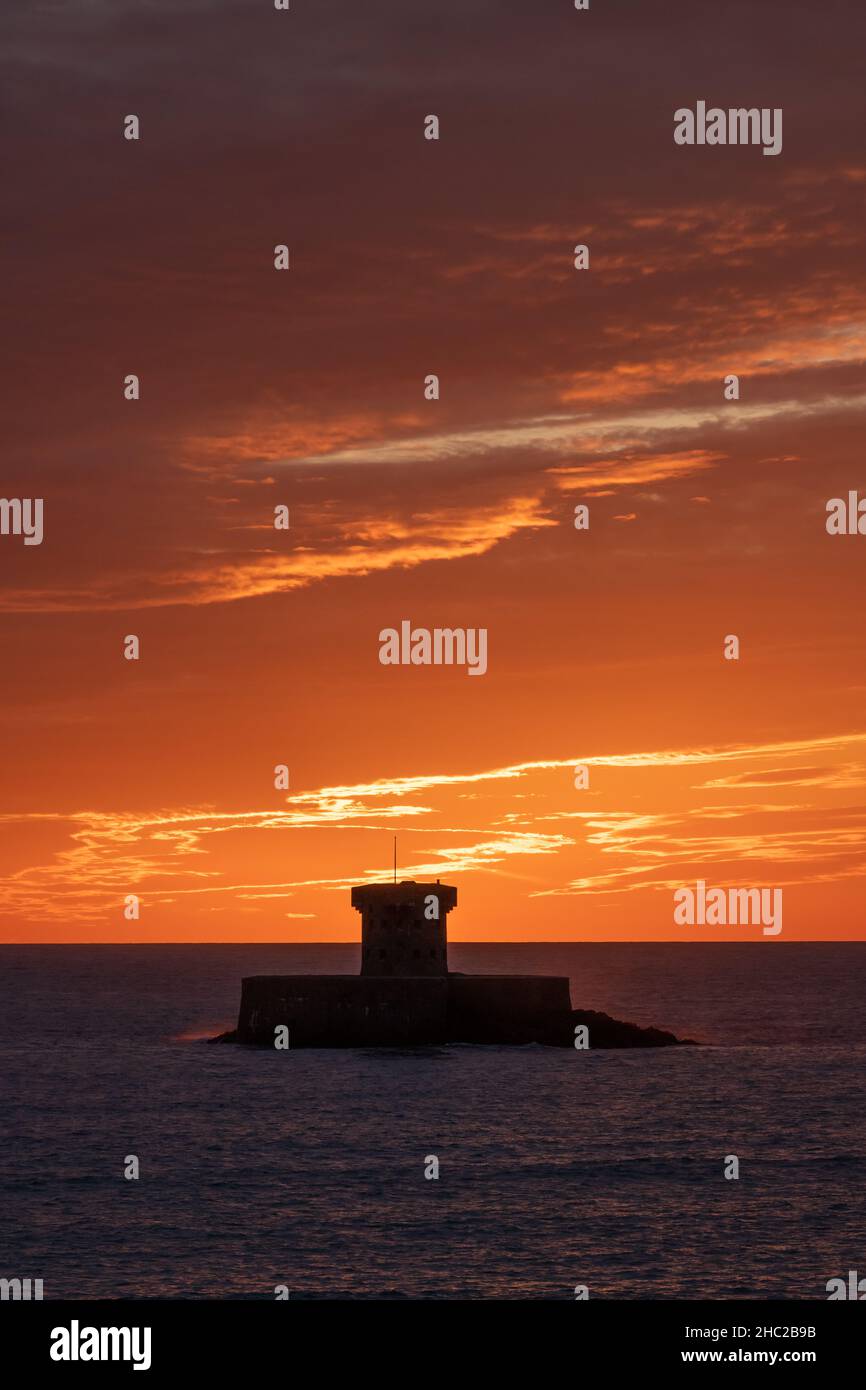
(605, 1031)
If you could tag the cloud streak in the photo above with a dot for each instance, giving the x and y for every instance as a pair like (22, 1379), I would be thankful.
(167, 857)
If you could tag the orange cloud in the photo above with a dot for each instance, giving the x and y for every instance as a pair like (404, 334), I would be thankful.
(632, 471)
(431, 537)
(167, 857)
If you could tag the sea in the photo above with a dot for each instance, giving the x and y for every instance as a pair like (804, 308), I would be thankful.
(310, 1172)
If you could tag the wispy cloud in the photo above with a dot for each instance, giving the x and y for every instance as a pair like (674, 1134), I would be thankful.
(171, 855)
(211, 579)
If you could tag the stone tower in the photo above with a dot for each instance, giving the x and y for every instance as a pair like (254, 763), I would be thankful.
(403, 927)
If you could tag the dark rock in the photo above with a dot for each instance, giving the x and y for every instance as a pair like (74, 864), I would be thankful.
(607, 1032)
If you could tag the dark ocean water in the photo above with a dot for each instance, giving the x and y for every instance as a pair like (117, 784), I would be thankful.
(557, 1167)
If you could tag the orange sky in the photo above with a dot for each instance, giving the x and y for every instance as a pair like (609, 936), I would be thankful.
(558, 387)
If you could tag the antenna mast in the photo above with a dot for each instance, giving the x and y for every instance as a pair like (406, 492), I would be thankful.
(395, 858)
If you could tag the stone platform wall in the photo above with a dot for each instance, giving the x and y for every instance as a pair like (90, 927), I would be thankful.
(371, 1011)
(343, 1010)
(508, 1008)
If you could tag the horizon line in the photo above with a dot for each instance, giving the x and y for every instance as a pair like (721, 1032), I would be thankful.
(657, 941)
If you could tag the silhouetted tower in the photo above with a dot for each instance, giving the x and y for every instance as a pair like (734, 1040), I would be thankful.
(403, 927)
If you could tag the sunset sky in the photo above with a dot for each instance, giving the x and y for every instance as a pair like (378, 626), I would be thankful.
(306, 388)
